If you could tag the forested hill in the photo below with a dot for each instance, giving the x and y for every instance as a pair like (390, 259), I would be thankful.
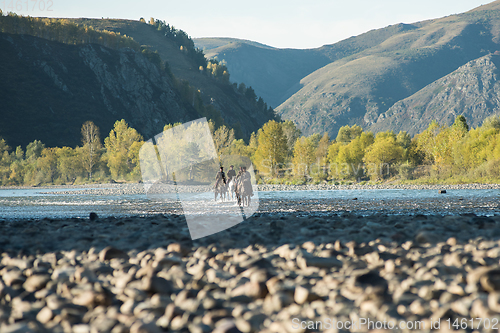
(56, 75)
(239, 105)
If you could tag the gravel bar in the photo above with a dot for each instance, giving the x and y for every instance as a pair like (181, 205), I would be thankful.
(131, 189)
(274, 272)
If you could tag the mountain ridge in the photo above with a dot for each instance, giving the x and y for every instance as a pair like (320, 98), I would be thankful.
(357, 88)
(272, 72)
(356, 80)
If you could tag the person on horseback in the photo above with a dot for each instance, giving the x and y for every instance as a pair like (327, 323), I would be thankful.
(220, 176)
(244, 188)
(237, 180)
(246, 180)
(231, 173)
(220, 184)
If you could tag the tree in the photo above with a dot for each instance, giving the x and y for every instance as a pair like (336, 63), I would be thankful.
(303, 156)
(292, 133)
(3, 146)
(45, 167)
(250, 94)
(426, 142)
(118, 149)
(272, 148)
(34, 150)
(13, 167)
(253, 143)
(477, 148)
(242, 88)
(5, 161)
(319, 170)
(461, 123)
(91, 146)
(238, 147)
(346, 134)
(403, 139)
(492, 122)
(69, 165)
(223, 137)
(349, 159)
(383, 155)
(322, 150)
(333, 151)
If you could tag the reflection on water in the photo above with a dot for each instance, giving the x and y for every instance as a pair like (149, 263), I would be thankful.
(59, 203)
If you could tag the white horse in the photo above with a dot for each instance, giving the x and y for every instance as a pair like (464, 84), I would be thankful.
(231, 187)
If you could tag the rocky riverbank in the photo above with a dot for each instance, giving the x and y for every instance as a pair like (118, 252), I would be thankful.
(131, 189)
(329, 187)
(271, 273)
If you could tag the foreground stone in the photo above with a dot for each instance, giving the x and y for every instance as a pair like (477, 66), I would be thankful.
(272, 273)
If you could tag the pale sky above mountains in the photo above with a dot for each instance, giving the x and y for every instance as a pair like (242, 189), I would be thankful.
(278, 23)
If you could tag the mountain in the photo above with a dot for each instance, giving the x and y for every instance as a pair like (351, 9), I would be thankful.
(50, 86)
(397, 62)
(360, 80)
(473, 90)
(273, 73)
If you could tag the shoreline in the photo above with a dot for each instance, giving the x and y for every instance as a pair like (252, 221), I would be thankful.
(135, 187)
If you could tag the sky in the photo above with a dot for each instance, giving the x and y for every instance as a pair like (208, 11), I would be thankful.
(278, 23)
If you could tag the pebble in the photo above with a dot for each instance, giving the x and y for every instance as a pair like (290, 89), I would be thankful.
(45, 315)
(301, 295)
(319, 262)
(156, 284)
(109, 253)
(141, 277)
(36, 282)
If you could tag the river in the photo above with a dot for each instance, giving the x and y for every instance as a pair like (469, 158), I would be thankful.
(54, 203)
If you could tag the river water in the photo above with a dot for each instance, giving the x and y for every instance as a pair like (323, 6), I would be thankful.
(36, 203)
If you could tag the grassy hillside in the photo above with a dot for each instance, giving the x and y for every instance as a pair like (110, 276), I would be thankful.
(377, 69)
(473, 91)
(59, 73)
(273, 73)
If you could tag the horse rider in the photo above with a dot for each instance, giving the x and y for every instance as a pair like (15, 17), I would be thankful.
(231, 173)
(220, 176)
(238, 176)
(246, 178)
